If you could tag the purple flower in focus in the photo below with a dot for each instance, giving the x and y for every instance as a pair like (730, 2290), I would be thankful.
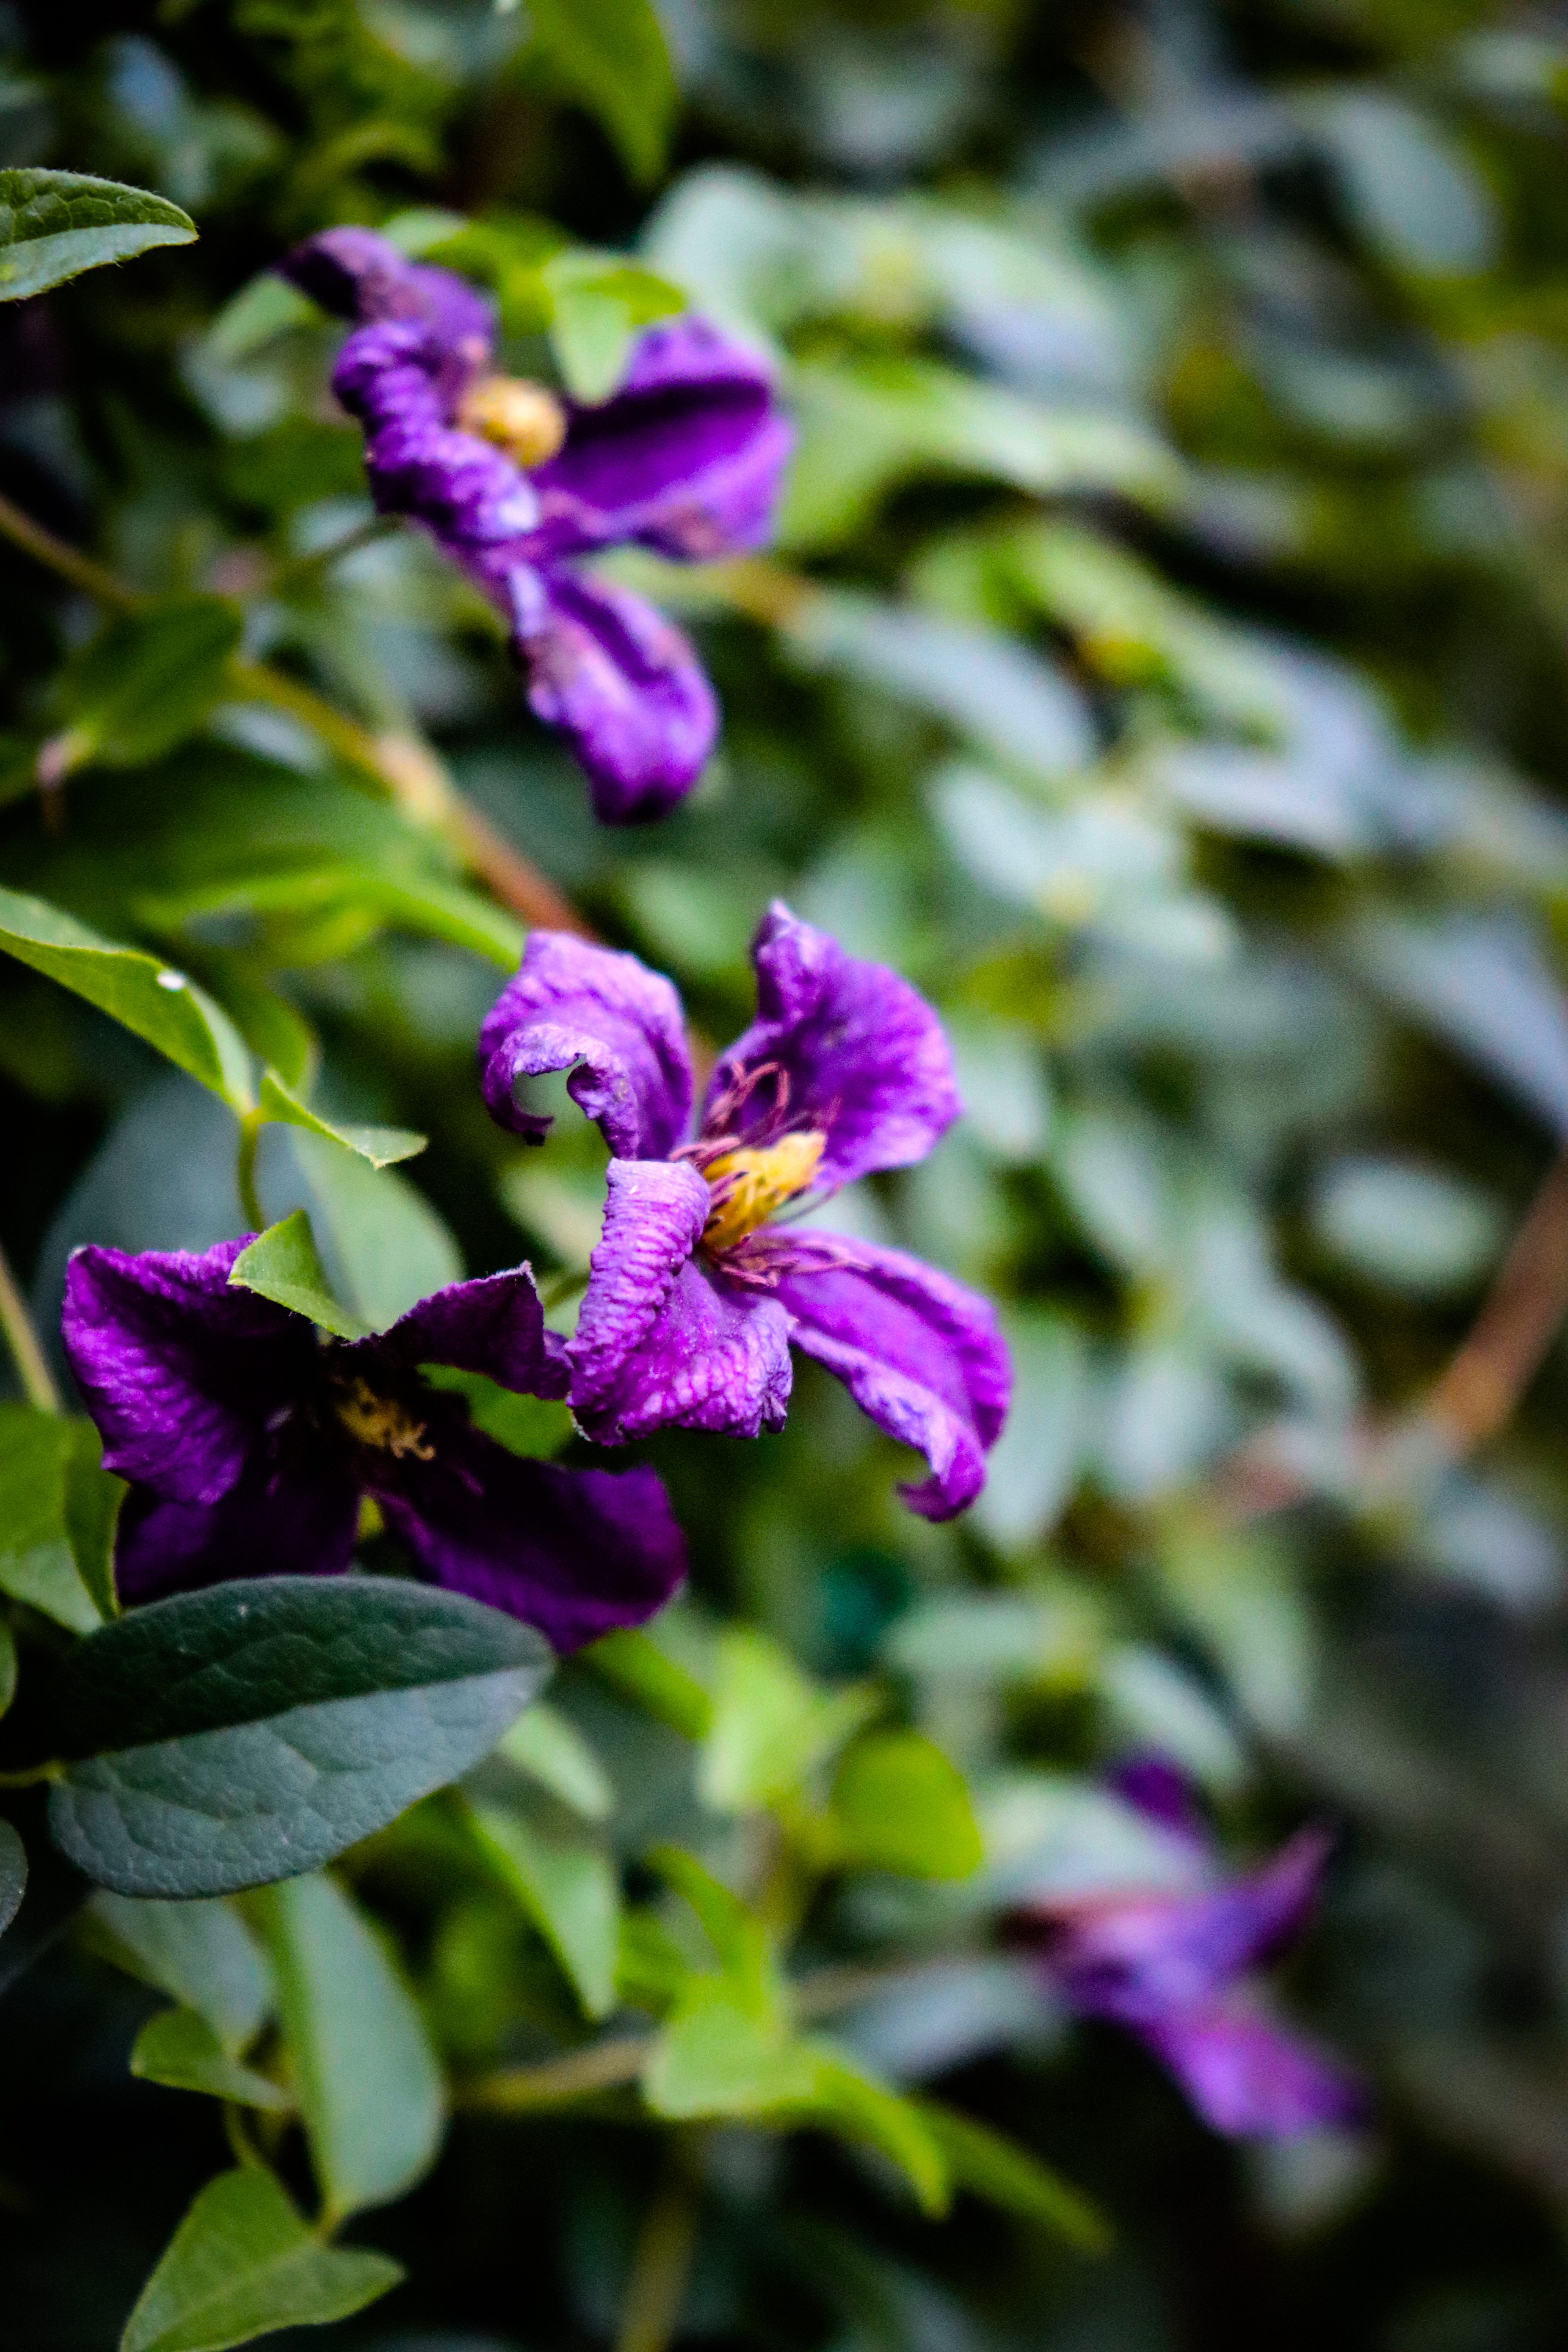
(517, 487)
(1174, 1970)
(249, 1442)
(695, 1295)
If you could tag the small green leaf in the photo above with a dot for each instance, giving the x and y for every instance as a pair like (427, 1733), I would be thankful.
(228, 1738)
(771, 1725)
(202, 1954)
(858, 2107)
(242, 2263)
(717, 2056)
(281, 1265)
(569, 1889)
(13, 1875)
(610, 56)
(370, 2089)
(145, 682)
(536, 1426)
(548, 1747)
(382, 1145)
(598, 303)
(93, 1497)
(55, 225)
(386, 1245)
(145, 995)
(180, 2050)
(8, 1666)
(899, 1804)
(740, 1939)
(634, 1664)
(41, 1454)
(997, 2169)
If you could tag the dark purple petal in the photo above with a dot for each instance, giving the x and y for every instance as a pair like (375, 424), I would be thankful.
(1251, 2079)
(180, 1372)
(574, 1552)
(297, 1520)
(621, 682)
(616, 1025)
(919, 1352)
(355, 274)
(394, 377)
(658, 1344)
(687, 456)
(840, 1045)
(1143, 1960)
(1164, 1793)
(494, 1326)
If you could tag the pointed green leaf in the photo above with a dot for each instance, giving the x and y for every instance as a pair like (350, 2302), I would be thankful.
(146, 681)
(370, 2089)
(242, 2263)
(859, 2107)
(93, 1497)
(180, 2050)
(771, 1725)
(610, 55)
(145, 995)
(382, 1145)
(548, 1747)
(246, 1733)
(899, 1804)
(39, 1457)
(568, 1887)
(54, 225)
(202, 1954)
(633, 1664)
(599, 303)
(717, 2056)
(536, 1426)
(281, 1265)
(997, 2168)
(8, 1666)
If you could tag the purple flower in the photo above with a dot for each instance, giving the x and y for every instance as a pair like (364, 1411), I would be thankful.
(695, 1295)
(1172, 1969)
(517, 485)
(249, 1442)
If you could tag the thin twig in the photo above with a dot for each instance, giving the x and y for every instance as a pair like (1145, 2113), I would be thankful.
(79, 570)
(26, 1354)
(303, 571)
(661, 2261)
(517, 2090)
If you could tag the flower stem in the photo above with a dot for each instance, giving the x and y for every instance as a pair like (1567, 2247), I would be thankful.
(79, 570)
(26, 1354)
(305, 569)
(245, 1171)
(661, 2261)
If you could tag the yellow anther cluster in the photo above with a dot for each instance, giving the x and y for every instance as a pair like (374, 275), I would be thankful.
(522, 418)
(749, 1184)
(381, 1422)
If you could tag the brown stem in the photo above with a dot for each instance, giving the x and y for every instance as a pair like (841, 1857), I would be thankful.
(79, 570)
(32, 1365)
(1484, 1383)
(662, 2263)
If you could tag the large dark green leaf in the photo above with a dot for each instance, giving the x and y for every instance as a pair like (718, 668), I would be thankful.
(225, 1738)
(54, 225)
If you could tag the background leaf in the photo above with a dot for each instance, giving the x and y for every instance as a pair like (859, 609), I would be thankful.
(54, 225)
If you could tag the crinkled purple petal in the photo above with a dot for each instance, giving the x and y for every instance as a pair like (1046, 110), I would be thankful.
(393, 376)
(687, 456)
(919, 1353)
(621, 682)
(494, 1325)
(1250, 2078)
(1140, 1961)
(574, 1552)
(838, 1045)
(658, 1344)
(180, 1372)
(296, 1517)
(355, 274)
(616, 1025)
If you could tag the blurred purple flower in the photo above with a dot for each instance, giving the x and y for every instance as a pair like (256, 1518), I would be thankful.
(1174, 1970)
(249, 1442)
(517, 487)
(695, 1297)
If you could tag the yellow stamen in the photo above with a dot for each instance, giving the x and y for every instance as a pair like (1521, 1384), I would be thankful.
(381, 1422)
(522, 418)
(749, 1184)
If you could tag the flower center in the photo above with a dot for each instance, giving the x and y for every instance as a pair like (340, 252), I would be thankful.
(522, 418)
(747, 1185)
(381, 1422)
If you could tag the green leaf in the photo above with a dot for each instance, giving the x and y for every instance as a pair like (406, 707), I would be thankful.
(281, 1265)
(145, 995)
(856, 2106)
(610, 56)
(739, 1938)
(202, 1954)
(55, 225)
(771, 1725)
(717, 2056)
(180, 2050)
(246, 1733)
(997, 2169)
(146, 681)
(93, 1497)
(369, 2086)
(548, 1747)
(8, 1666)
(899, 1804)
(536, 1426)
(242, 2263)
(568, 1887)
(38, 1563)
(380, 1145)
(598, 304)
(384, 1244)
(637, 1668)
(13, 1875)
